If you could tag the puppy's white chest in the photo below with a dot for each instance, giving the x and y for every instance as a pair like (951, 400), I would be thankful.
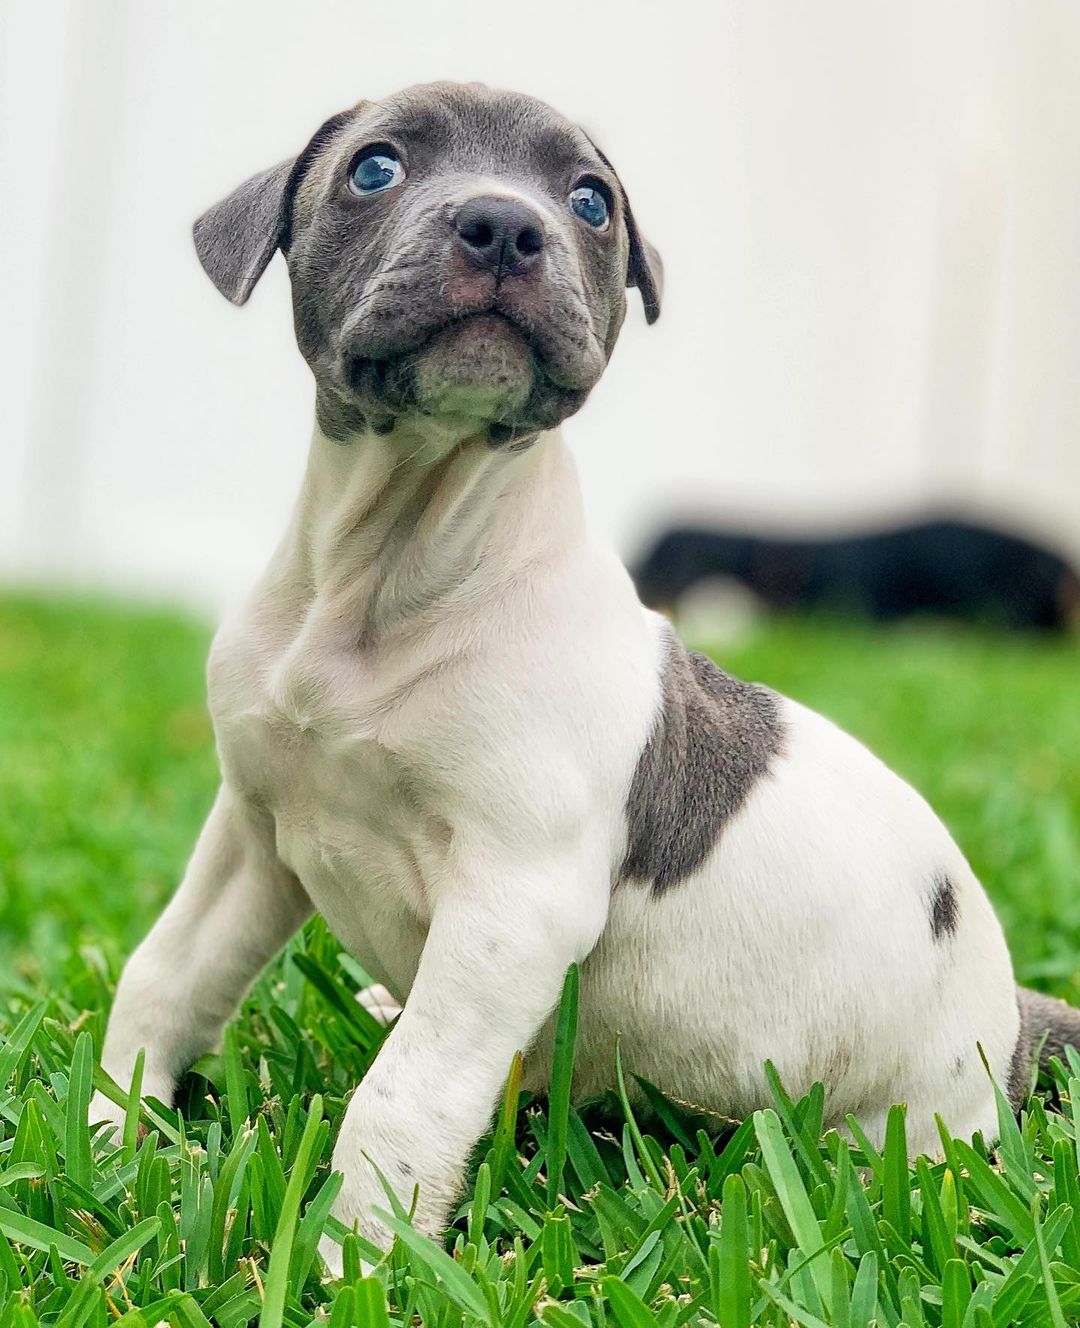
(311, 737)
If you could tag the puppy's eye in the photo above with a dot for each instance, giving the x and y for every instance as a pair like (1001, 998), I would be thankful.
(375, 169)
(590, 205)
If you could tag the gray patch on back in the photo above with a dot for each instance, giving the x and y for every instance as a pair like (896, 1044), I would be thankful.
(713, 739)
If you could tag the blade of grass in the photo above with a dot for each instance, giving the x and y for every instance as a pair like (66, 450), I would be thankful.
(110, 1258)
(277, 1278)
(794, 1200)
(730, 1257)
(643, 1153)
(26, 1231)
(17, 1043)
(562, 1073)
(502, 1147)
(456, 1283)
(235, 1086)
(77, 1130)
(629, 1309)
(895, 1177)
(130, 1141)
(1052, 1301)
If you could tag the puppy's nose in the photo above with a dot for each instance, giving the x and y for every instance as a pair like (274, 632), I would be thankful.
(500, 235)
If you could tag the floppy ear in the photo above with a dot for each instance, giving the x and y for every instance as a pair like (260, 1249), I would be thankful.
(236, 238)
(645, 269)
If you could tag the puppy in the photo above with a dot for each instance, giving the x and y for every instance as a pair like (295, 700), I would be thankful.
(446, 722)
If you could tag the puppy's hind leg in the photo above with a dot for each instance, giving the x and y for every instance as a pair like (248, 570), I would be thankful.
(234, 909)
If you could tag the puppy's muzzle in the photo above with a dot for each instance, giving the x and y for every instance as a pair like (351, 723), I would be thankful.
(499, 235)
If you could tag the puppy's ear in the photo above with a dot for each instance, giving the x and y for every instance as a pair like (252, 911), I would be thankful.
(236, 238)
(645, 269)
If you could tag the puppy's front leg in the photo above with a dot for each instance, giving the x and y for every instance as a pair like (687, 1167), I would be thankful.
(489, 976)
(234, 909)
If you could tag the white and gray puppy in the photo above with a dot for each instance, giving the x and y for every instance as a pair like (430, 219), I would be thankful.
(446, 723)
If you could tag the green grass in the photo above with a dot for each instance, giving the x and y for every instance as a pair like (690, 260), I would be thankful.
(106, 768)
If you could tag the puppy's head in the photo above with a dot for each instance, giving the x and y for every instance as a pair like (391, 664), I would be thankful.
(455, 253)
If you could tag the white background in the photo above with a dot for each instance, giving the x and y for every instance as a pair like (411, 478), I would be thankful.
(869, 214)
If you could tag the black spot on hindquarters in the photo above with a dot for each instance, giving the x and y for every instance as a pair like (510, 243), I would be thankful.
(712, 740)
(944, 909)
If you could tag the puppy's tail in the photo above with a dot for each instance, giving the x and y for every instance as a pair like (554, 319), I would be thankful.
(1041, 1017)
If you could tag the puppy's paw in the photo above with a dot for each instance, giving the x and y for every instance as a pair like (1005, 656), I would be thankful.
(379, 1003)
(103, 1111)
(330, 1253)
(333, 1263)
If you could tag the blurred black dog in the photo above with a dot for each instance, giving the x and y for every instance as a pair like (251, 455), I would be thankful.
(943, 568)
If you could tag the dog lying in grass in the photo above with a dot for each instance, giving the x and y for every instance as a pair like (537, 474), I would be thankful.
(446, 722)
(945, 568)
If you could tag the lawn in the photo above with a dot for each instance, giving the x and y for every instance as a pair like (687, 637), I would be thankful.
(211, 1216)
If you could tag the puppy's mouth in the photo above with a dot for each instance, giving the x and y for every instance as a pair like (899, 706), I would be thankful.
(480, 366)
(485, 365)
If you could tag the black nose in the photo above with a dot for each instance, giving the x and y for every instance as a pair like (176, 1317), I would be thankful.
(500, 235)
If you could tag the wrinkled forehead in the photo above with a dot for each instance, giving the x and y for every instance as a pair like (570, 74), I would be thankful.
(460, 129)
(480, 128)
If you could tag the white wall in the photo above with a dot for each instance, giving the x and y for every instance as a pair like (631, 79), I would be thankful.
(869, 213)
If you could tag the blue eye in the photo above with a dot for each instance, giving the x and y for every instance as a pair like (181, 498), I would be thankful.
(375, 171)
(590, 205)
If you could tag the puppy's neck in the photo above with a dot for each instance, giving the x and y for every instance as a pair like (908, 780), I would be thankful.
(410, 526)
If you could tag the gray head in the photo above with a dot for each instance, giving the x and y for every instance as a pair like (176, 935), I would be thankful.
(455, 252)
